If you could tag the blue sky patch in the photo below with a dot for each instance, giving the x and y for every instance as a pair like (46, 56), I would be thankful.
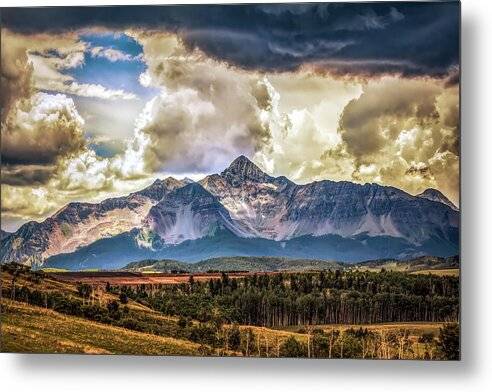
(118, 75)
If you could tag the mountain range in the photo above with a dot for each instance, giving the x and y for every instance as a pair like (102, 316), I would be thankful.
(240, 212)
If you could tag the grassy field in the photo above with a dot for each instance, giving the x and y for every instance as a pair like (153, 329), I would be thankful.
(32, 329)
(413, 327)
(440, 272)
(398, 268)
(66, 288)
(50, 269)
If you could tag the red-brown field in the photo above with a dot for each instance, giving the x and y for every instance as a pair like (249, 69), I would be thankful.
(138, 278)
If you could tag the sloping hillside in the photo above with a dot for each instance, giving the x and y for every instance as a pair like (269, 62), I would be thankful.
(31, 329)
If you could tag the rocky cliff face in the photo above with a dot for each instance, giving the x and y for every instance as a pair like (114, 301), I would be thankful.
(79, 224)
(253, 198)
(435, 195)
(159, 188)
(278, 209)
(188, 213)
(349, 209)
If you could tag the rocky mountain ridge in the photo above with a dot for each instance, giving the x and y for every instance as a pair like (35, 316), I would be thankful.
(435, 195)
(251, 212)
(80, 224)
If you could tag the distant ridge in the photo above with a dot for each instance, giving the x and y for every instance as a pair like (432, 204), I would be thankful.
(275, 264)
(231, 264)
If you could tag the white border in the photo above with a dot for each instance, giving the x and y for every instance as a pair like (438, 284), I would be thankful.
(140, 374)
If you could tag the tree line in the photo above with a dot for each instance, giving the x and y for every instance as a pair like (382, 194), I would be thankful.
(333, 297)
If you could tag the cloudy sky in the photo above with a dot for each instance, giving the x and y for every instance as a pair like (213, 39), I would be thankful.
(99, 102)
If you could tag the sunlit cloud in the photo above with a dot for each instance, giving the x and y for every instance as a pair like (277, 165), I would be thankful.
(309, 108)
(112, 54)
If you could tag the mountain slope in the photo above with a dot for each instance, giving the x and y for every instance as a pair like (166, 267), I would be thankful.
(187, 213)
(252, 197)
(80, 224)
(4, 234)
(435, 195)
(111, 253)
(349, 209)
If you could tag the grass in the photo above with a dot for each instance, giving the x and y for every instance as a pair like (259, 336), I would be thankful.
(394, 267)
(270, 339)
(45, 284)
(439, 272)
(67, 289)
(30, 329)
(50, 269)
(415, 328)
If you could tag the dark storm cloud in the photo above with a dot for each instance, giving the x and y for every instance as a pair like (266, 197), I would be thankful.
(423, 172)
(26, 175)
(411, 39)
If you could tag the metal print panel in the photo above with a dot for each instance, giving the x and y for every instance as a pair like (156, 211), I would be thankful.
(267, 180)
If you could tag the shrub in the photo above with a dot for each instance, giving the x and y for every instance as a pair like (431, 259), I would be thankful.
(292, 348)
(427, 337)
(123, 298)
(448, 342)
